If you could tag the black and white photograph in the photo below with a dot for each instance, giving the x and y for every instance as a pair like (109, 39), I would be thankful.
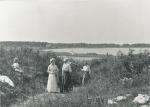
(74, 53)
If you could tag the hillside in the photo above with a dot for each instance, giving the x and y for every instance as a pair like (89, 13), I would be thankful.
(105, 79)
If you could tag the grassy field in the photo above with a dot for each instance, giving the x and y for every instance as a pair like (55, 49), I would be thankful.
(106, 73)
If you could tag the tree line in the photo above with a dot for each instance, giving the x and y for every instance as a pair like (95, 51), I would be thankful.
(70, 45)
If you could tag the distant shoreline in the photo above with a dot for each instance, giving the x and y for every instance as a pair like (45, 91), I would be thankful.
(47, 45)
(95, 47)
(93, 52)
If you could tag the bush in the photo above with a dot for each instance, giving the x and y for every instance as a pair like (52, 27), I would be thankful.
(116, 68)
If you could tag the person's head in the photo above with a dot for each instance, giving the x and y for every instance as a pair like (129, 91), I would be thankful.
(86, 63)
(52, 60)
(66, 60)
(16, 60)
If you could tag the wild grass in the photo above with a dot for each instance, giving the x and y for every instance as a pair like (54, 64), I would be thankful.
(106, 73)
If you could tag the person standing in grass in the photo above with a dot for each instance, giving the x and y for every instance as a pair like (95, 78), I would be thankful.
(66, 76)
(17, 72)
(53, 77)
(86, 73)
(16, 65)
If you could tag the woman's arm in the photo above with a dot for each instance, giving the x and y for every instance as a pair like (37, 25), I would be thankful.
(62, 71)
(48, 70)
(89, 69)
(70, 70)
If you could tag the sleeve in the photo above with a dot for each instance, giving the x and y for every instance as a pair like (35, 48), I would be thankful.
(89, 69)
(83, 69)
(48, 69)
(63, 70)
(70, 70)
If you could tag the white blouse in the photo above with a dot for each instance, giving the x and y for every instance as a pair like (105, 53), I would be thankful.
(86, 68)
(52, 69)
(16, 67)
(66, 67)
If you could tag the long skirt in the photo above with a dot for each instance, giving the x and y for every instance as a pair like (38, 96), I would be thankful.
(67, 82)
(52, 83)
(86, 78)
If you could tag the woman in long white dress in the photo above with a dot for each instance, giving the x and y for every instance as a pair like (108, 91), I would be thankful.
(53, 75)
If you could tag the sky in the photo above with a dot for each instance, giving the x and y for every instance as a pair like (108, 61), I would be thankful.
(74, 21)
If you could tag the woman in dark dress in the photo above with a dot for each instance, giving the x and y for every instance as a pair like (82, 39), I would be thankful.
(66, 76)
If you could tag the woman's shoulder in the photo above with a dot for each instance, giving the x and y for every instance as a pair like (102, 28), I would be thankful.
(15, 64)
(56, 66)
(52, 65)
(64, 64)
(49, 65)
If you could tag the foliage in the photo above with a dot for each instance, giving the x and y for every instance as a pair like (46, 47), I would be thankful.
(106, 73)
(22, 44)
(34, 78)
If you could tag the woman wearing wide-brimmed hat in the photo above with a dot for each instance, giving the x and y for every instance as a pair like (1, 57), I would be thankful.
(53, 75)
(66, 76)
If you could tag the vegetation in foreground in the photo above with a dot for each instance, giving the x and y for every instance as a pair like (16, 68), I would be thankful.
(104, 83)
(33, 79)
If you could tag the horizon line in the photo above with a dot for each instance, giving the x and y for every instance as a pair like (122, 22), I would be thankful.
(73, 42)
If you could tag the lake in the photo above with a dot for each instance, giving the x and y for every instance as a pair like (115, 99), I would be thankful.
(112, 51)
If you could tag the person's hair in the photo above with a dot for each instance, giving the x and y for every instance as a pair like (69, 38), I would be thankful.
(52, 59)
(86, 63)
(16, 60)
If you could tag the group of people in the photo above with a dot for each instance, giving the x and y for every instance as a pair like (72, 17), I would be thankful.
(66, 86)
